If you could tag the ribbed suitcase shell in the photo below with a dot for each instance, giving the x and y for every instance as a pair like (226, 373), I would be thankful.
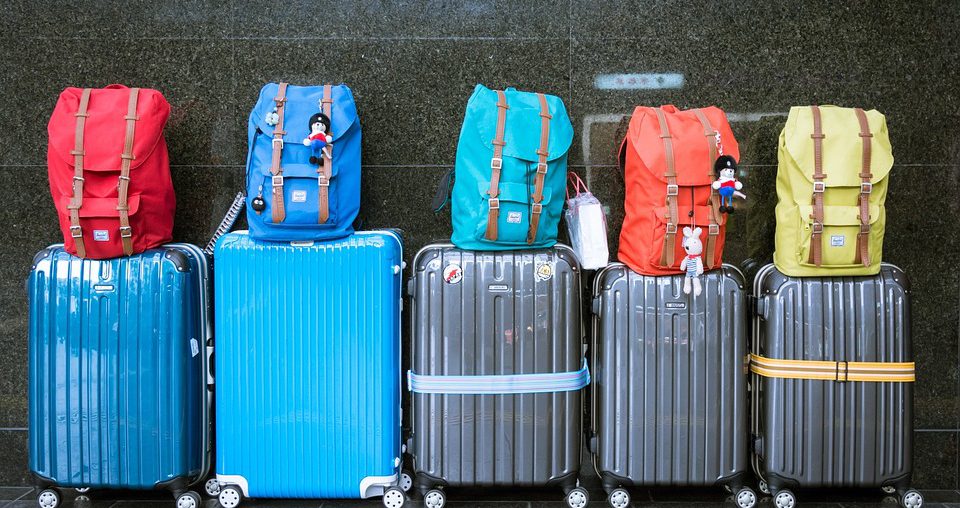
(308, 365)
(670, 384)
(501, 318)
(813, 433)
(118, 353)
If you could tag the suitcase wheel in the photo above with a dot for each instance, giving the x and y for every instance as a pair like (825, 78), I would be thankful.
(394, 498)
(619, 498)
(764, 488)
(188, 499)
(48, 498)
(577, 498)
(434, 498)
(746, 498)
(230, 496)
(911, 499)
(82, 490)
(785, 499)
(212, 487)
(406, 480)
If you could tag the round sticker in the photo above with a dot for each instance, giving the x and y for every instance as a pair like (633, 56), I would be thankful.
(544, 271)
(452, 274)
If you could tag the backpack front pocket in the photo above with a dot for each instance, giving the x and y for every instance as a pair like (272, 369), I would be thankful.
(514, 210)
(301, 198)
(841, 225)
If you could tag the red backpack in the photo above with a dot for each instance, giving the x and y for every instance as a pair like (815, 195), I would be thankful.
(668, 159)
(109, 171)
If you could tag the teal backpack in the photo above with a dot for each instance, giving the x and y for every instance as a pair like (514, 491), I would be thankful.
(511, 170)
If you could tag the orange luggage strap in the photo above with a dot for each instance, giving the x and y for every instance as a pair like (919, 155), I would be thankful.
(126, 159)
(819, 187)
(496, 164)
(866, 187)
(669, 239)
(326, 163)
(279, 213)
(76, 201)
(875, 372)
(713, 230)
(542, 154)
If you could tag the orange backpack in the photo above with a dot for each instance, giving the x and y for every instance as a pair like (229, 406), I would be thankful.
(668, 160)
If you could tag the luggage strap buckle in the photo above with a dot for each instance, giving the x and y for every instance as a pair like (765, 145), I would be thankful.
(277, 180)
(494, 203)
(673, 189)
(278, 140)
(542, 168)
(126, 232)
(866, 188)
(713, 230)
(843, 371)
(818, 228)
(864, 229)
(76, 231)
(537, 208)
(671, 229)
(819, 187)
(496, 163)
(322, 181)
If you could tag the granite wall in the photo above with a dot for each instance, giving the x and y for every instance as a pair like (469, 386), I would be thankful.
(412, 66)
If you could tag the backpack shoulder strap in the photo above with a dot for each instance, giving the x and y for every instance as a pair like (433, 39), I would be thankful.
(866, 187)
(713, 229)
(279, 213)
(76, 201)
(326, 162)
(496, 164)
(126, 158)
(816, 235)
(669, 239)
(542, 154)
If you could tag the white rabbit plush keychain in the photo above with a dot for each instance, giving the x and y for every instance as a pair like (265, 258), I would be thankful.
(692, 263)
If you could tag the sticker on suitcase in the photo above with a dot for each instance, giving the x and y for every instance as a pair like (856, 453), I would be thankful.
(544, 270)
(452, 274)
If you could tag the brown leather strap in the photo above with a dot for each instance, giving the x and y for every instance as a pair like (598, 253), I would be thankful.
(816, 236)
(669, 239)
(496, 163)
(326, 163)
(279, 213)
(126, 159)
(76, 201)
(542, 154)
(866, 187)
(713, 229)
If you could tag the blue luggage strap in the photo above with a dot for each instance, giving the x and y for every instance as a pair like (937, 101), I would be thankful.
(505, 384)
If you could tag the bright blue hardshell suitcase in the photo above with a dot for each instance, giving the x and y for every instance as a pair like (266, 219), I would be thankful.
(119, 390)
(308, 367)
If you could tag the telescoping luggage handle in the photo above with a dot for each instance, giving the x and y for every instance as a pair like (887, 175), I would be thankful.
(819, 187)
(496, 166)
(123, 186)
(500, 384)
(892, 372)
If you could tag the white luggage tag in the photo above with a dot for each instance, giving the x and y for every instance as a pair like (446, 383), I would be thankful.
(587, 226)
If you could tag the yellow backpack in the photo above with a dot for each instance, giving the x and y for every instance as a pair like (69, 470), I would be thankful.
(831, 186)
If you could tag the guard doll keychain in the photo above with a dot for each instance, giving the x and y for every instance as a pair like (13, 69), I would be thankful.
(727, 185)
(319, 137)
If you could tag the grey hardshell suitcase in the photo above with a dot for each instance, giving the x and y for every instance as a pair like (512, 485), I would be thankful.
(669, 394)
(842, 416)
(496, 371)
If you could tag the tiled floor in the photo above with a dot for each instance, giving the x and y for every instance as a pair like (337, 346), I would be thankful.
(24, 497)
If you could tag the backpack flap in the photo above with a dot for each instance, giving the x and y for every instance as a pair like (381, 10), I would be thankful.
(842, 146)
(302, 103)
(522, 130)
(691, 149)
(105, 127)
(106, 208)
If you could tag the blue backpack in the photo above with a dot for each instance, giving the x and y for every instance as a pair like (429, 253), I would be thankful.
(303, 165)
(511, 170)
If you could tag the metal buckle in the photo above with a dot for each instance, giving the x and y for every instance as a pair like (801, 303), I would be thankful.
(864, 229)
(818, 228)
(278, 140)
(125, 232)
(322, 181)
(713, 230)
(496, 163)
(277, 180)
(866, 188)
(673, 190)
(121, 177)
(537, 208)
(78, 179)
(819, 187)
(494, 203)
(843, 371)
(671, 229)
(76, 231)
(542, 168)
